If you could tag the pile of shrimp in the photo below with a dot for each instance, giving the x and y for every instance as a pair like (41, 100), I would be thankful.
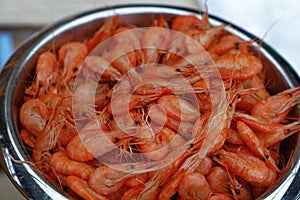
(157, 124)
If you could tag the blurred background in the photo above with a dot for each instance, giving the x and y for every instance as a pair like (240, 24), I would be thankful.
(275, 21)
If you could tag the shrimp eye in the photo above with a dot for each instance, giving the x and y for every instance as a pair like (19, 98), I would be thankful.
(116, 139)
(53, 84)
(75, 69)
(177, 49)
(237, 191)
(137, 122)
(40, 84)
(160, 187)
(237, 45)
(178, 70)
(287, 131)
(106, 98)
(191, 145)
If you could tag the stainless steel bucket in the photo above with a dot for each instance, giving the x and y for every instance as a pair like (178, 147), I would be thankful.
(14, 157)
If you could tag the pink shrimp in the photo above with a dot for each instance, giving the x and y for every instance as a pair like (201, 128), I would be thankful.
(247, 167)
(71, 55)
(220, 197)
(34, 115)
(204, 166)
(28, 138)
(106, 180)
(203, 37)
(233, 137)
(238, 66)
(178, 108)
(46, 74)
(259, 93)
(187, 22)
(253, 142)
(218, 180)
(63, 165)
(101, 68)
(275, 108)
(81, 188)
(194, 186)
(103, 33)
(133, 193)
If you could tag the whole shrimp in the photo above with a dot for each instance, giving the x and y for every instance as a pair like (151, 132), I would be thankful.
(248, 167)
(71, 55)
(34, 115)
(81, 187)
(106, 180)
(194, 186)
(275, 108)
(238, 66)
(63, 165)
(253, 142)
(47, 69)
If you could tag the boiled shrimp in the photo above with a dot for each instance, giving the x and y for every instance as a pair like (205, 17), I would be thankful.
(46, 74)
(194, 186)
(71, 55)
(275, 108)
(106, 180)
(34, 115)
(63, 165)
(218, 180)
(247, 167)
(239, 66)
(81, 188)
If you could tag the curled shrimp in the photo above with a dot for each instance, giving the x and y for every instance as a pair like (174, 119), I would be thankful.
(187, 22)
(178, 108)
(106, 180)
(34, 115)
(28, 138)
(239, 66)
(72, 55)
(253, 142)
(218, 180)
(194, 186)
(275, 108)
(248, 167)
(103, 33)
(63, 165)
(46, 75)
(81, 188)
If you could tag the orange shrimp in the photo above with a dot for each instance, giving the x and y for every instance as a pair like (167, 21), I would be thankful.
(137, 180)
(187, 22)
(85, 146)
(171, 188)
(253, 142)
(220, 197)
(122, 103)
(81, 188)
(238, 66)
(28, 138)
(63, 165)
(218, 180)
(106, 180)
(101, 68)
(34, 115)
(46, 75)
(154, 147)
(204, 166)
(259, 93)
(247, 167)
(194, 186)
(275, 108)
(133, 193)
(71, 55)
(178, 108)
(205, 38)
(155, 40)
(104, 32)
(233, 137)
(240, 190)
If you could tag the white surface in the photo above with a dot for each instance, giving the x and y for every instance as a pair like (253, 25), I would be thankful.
(275, 21)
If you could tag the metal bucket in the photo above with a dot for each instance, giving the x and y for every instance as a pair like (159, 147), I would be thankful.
(29, 181)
